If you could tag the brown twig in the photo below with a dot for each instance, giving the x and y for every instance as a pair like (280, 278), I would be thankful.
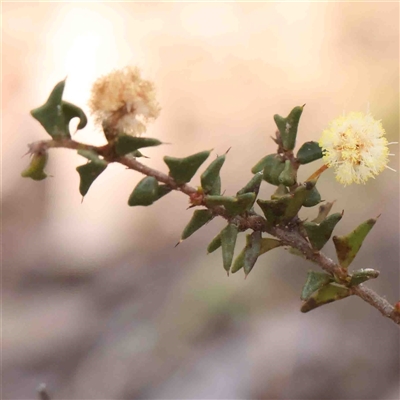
(289, 235)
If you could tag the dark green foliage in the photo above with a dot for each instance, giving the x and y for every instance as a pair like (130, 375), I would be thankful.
(233, 205)
(199, 219)
(279, 169)
(145, 193)
(289, 174)
(319, 234)
(88, 174)
(228, 242)
(264, 162)
(183, 169)
(253, 248)
(274, 210)
(72, 111)
(298, 198)
(326, 294)
(315, 281)
(288, 127)
(56, 114)
(309, 152)
(214, 244)
(313, 198)
(211, 175)
(274, 166)
(253, 186)
(216, 189)
(126, 144)
(348, 246)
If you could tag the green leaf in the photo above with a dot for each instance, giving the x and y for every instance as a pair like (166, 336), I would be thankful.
(319, 234)
(233, 205)
(56, 114)
(35, 170)
(314, 282)
(216, 189)
(137, 154)
(253, 186)
(264, 162)
(243, 202)
(268, 244)
(363, 275)
(183, 169)
(273, 168)
(50, 114)
(298, 198)
(323, 212)
(199, 219)
(275, 209)
(289, 174)
(88, 173)
(228, 242)
(145, 193)
(348, 246)
(210, 176)
(309, 152)
(253, 248)
(327, 294)
(71, 111)
(280, 191)
(313, 198)
(127, 144)
(217, 200)
(288, 127)
(239, 261)
(214, 244)
(251, 252)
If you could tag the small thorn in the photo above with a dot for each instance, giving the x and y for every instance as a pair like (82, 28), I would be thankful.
(179, 243)
(82, 199)
(228, 150)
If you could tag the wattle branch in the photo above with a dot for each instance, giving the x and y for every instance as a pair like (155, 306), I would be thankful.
(289, 235)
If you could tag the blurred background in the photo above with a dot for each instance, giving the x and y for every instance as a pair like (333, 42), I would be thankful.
(97, 302)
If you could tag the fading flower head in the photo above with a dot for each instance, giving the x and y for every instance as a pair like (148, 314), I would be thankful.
(124, 102)
(355, 146)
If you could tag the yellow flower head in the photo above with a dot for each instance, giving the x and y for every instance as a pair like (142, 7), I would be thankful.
(355, 146)
(124, 102)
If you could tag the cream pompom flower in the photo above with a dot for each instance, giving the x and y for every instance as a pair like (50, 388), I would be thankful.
(123, 103)
(355, 146)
